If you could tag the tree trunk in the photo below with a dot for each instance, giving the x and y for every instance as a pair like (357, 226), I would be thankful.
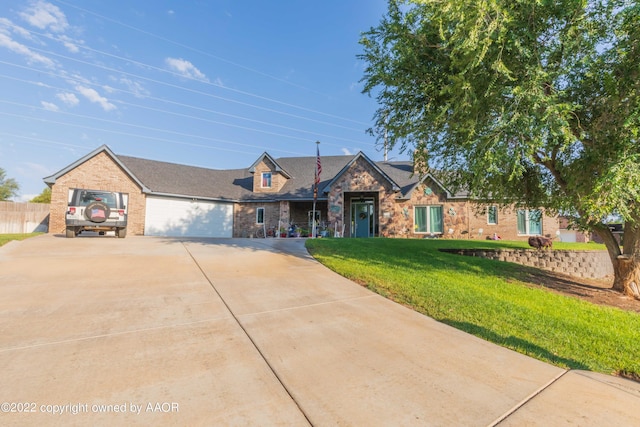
(626, 266)
(627, 275)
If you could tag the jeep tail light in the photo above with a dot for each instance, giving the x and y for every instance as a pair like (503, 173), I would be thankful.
(72, 211)
(121, 212)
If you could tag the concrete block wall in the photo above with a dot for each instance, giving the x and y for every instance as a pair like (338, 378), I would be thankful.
(587, 264)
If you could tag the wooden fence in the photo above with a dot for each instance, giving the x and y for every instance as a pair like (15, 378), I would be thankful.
(23, 217)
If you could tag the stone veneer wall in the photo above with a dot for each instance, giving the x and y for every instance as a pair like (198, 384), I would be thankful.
(589, 264)
(361, 178)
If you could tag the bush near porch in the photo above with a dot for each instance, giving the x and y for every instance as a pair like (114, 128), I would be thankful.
(490, 299)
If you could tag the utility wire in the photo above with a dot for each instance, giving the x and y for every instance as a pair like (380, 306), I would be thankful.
(316, 134)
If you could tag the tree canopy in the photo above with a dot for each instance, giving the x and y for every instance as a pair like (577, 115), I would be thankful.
(8, 186)
(526, 102)
(44, 197)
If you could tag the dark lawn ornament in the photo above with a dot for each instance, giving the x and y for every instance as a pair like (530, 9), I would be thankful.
(540, 242)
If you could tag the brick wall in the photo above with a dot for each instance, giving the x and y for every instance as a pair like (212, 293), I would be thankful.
(244, 221)
(590, 264)
(97, 173)
(507, 226)
(277, 179)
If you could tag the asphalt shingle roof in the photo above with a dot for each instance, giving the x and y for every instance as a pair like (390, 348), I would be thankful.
(237, 184)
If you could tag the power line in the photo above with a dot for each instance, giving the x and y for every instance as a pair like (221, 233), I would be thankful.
(187, 106)
(152, 67)
(134, 126)
(191, 48)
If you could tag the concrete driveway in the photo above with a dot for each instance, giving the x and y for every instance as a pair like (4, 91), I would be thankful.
(153, 331)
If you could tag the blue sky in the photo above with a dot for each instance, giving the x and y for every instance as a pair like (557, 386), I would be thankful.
(211, 83)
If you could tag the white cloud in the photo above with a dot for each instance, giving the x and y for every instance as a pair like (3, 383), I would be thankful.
(6, 25)
(68, 98)
(134, 87)
(70, 44)
(93, 96)
(346, 152)
(185, 68)
(45, 15)
(23, 50)
(49, 106)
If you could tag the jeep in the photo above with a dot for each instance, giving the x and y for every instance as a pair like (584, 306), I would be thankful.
(96, 210)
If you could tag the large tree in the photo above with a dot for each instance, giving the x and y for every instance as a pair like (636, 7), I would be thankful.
(526, 102)
(8, 186)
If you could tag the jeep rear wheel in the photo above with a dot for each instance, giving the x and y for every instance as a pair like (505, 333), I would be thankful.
(71, 232)
(121, 233)
(97, 212)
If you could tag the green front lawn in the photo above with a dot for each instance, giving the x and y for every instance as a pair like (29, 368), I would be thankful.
(485, 298)
(6, 238)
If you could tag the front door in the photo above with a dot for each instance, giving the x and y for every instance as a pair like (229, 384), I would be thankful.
(362, 219)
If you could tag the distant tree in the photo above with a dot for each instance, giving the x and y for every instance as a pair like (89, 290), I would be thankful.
(527, 103)
(8, 186)
(44, 197)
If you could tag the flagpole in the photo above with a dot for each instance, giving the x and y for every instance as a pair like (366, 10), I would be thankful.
(316, 181)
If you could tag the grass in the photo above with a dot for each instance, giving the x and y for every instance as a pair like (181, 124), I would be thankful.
(6, 238)
(485, 298)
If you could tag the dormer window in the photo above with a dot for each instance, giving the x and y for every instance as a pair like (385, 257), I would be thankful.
(266, 179)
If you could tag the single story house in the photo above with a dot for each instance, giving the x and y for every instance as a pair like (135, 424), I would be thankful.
(357, 197)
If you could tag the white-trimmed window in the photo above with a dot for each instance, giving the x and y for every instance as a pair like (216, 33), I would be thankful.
(266, 180)
(529, 222)
(260, 216)
(428, 219)
(492, 215)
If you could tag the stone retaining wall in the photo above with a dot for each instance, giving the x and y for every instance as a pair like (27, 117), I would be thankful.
(589, 264)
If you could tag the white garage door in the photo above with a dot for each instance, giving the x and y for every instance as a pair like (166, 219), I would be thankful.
(568, 235)
(178, 217)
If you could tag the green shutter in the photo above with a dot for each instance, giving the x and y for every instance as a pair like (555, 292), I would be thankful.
(435, 219)
(535, 222)
(492, 213)
(522, 226)
(420, 220)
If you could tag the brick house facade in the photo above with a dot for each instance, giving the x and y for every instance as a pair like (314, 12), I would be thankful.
(98, 172)
(356, 197)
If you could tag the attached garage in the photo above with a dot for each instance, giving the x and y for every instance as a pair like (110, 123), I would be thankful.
(169, 216)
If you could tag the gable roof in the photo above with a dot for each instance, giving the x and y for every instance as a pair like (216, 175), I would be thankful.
(51, 179)
(326, 188)
(267, 156)
(177, 180)
(429, 176)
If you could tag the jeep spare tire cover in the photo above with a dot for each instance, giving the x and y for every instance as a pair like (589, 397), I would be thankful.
(97, 212)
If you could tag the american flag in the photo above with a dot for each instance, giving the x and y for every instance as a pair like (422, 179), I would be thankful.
(318, 165)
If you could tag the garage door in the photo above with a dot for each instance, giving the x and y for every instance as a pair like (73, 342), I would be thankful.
(180, 217)
(568, 236)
